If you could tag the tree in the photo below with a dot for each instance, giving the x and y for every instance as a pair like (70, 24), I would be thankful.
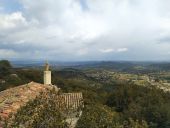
(97, 116)
(5, 68)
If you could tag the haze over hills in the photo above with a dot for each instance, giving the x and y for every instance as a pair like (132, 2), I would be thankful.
(112, 65)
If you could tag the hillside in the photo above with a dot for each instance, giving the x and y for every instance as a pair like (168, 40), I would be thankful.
(111, 99)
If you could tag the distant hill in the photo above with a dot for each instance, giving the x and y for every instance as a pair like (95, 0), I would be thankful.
(125, 66)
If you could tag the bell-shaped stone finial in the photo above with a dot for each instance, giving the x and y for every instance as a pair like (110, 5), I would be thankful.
(47, 66)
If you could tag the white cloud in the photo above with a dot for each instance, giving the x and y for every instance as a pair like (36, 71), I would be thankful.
(7, 53)
(13, 20)
(122, 50)
(63, 28)
(107, 50)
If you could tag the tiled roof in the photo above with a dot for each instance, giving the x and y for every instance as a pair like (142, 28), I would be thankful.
(72, 100)
(13, 98)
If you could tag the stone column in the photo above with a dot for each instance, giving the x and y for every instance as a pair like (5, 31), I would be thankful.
(47, 77)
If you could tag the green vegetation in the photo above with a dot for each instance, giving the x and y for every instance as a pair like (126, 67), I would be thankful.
(110, 102)
(101, 116)
(5, 68)
(139, 103)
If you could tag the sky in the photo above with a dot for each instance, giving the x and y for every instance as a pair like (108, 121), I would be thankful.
(80, 30)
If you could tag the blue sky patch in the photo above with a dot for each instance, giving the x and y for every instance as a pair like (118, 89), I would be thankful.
(9, 6)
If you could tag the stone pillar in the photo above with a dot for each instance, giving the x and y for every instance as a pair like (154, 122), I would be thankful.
(47, 77)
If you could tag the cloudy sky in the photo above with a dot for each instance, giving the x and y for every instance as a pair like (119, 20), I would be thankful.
(70, 30)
